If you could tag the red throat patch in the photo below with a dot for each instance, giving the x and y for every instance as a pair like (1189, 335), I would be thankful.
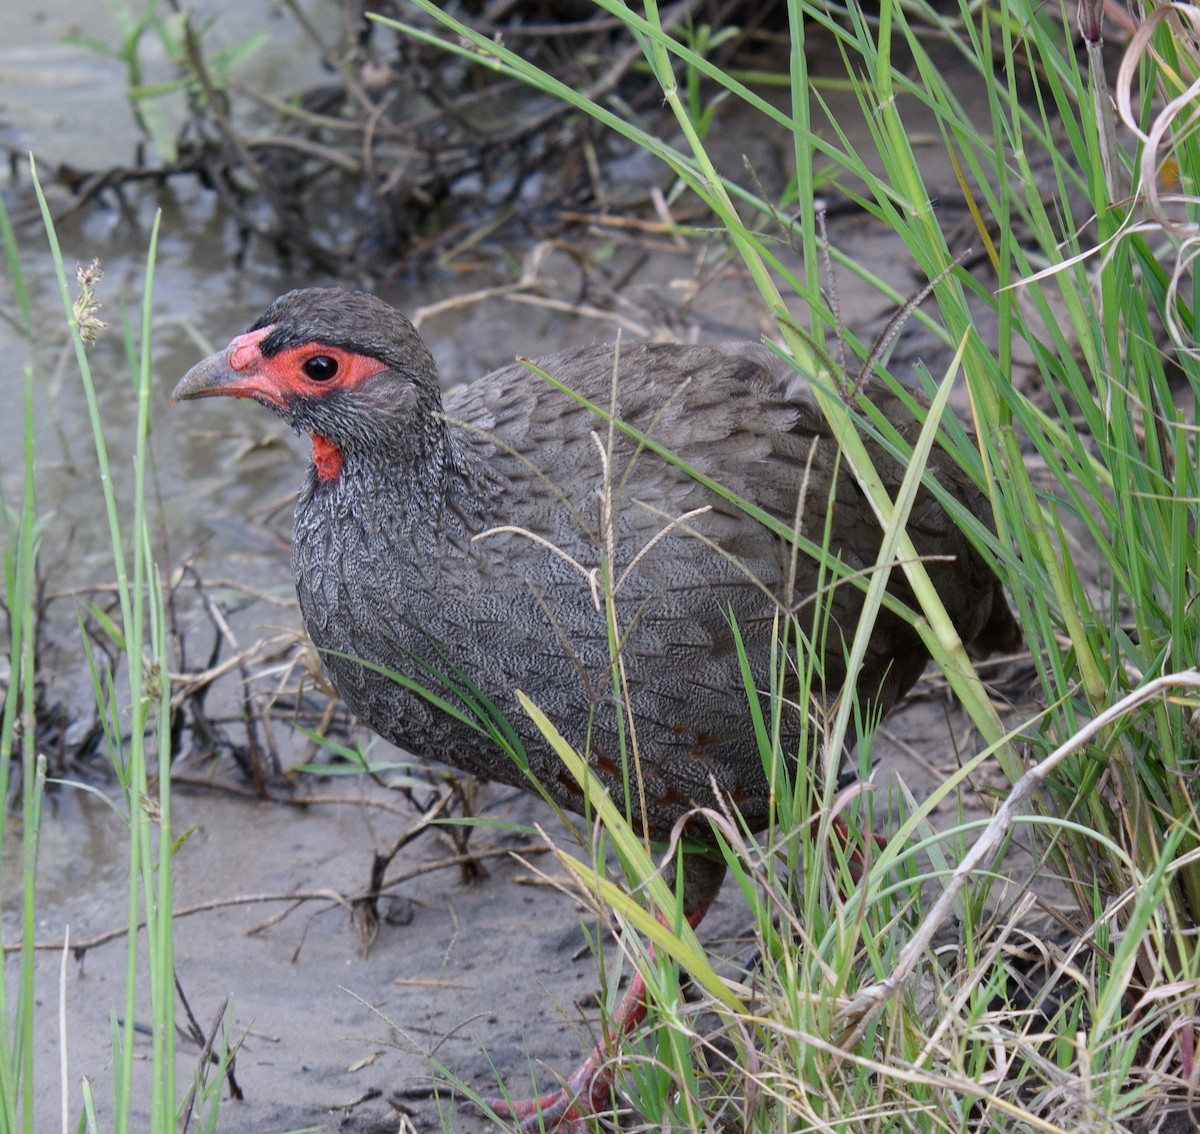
(327, 457)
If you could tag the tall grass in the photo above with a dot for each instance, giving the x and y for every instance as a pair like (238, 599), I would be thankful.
(134, 708)
(22, 534)
(1094, 487)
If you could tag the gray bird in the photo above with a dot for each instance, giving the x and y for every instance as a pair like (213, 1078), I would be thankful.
(471, 542)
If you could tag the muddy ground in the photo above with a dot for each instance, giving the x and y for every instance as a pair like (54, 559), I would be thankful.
(488, 980)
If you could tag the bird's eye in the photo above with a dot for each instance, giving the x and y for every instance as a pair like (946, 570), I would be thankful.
(320, 368)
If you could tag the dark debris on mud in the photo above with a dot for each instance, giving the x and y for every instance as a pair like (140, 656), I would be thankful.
(403, 148)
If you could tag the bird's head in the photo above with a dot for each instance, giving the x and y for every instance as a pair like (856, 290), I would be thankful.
(342, 366)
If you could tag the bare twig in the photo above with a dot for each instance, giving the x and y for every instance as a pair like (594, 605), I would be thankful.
(858, 1014)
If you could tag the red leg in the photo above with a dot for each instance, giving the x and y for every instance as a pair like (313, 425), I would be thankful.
(589, 1089)
(859, 857)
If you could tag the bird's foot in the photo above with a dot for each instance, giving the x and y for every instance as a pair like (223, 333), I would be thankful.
(589, 1089)
(565, 1111)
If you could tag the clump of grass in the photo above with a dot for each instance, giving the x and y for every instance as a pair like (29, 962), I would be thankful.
(22, 534)
(1094, 489)
(135, 716)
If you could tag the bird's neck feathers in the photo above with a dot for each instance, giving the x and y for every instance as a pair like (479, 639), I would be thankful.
(387, 440)
(410, 472)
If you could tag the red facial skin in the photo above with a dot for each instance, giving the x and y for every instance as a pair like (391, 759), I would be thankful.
(327, 457)
(243, 371)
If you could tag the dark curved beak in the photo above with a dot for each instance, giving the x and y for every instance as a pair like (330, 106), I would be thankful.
(237, 372)
(207, 379)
